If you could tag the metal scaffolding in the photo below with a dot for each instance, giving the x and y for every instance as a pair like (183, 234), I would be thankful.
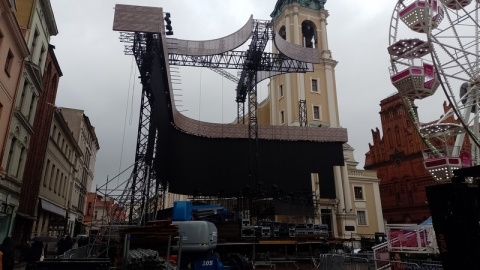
(141, 193)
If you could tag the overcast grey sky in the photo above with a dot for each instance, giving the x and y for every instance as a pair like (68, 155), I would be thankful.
(100, 79)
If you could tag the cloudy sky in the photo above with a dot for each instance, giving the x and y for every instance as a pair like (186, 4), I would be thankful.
(100, 79)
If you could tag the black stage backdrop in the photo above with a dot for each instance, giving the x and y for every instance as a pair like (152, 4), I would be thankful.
(209, 166)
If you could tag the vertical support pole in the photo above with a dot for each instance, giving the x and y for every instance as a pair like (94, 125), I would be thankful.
(302, 118)
(126, 249)
(179, 256)
(169, 246)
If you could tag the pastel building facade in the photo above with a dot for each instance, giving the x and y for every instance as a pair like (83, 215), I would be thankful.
(37, 24)
(13, 51)
(54, 200)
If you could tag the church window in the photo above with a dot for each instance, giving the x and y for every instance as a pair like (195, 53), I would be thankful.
(316, 112)
(358, 192)
(283, 32)
(309, 32)
(315, 85)
(362, 218)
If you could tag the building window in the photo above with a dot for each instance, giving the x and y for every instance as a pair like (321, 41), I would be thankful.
(55, 181)
(42, 53)
(84, 177)
(358, 193)
(81, 202)
(89, 209)
(8, 62)
(316, 113)
(24, 92)
(64, 186)
(13, 144)
(315, 85)
(362, 218)
(60, 185)
(30, 109)
(52, 176)
(95, 216)
(47, 170)
(55, 184)
(282, 117)
(280, 91)
(20, 162)
(34, 45)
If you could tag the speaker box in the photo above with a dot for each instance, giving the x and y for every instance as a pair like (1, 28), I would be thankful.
(455, 209)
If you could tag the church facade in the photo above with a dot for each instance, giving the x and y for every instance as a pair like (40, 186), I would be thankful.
(310, 99)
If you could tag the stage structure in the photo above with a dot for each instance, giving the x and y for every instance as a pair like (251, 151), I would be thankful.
(225, 160)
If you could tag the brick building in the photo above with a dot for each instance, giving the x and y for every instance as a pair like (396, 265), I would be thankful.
(398, 158)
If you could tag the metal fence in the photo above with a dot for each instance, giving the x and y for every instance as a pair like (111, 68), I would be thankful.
(81, 252)
(367, 262)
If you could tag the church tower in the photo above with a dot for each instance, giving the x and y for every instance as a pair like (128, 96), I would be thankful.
(310, 99)
(304, 99)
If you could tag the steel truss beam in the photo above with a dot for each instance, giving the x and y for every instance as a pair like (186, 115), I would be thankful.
(240, 60)
(220, 71)
(139, 200)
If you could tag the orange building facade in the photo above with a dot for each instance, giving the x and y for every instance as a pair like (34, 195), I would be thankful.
(100, 210)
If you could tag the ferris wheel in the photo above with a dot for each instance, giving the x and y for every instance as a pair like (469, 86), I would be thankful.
(434, 47)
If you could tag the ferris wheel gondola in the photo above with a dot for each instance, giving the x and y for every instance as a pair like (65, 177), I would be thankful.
(442, 54)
